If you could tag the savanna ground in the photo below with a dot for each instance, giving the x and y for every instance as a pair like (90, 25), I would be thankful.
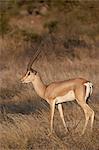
(70, 31)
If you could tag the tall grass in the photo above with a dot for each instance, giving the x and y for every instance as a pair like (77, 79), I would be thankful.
(25, 118)
(70, 51)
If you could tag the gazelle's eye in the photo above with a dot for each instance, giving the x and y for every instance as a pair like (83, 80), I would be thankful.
(28, 73)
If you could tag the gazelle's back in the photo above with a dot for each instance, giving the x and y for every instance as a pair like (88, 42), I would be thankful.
(60, 88)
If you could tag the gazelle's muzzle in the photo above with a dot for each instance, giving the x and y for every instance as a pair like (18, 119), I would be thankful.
(22, 80)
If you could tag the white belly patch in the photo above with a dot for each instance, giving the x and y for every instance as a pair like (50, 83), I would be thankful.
(70, 96)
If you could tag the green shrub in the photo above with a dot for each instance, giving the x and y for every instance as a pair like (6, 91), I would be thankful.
(4, 25)
(51, 25)
(7, 9)
(30, 36)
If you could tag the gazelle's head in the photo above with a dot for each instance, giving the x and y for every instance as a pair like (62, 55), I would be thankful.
(30, 76)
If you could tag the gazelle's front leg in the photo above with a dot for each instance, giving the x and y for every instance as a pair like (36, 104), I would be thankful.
(62, 116)
(52, 106)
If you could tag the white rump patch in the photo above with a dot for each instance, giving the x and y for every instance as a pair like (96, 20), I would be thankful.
(70, 96)
(88, 89)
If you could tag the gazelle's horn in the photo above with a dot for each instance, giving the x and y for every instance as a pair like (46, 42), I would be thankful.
(34, 57)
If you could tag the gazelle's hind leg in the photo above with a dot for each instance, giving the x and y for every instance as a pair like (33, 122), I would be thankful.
(62, 116)
(80, 97)
(92, 120)
(88, 113)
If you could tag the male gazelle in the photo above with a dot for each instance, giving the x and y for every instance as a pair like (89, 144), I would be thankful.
(58, 92)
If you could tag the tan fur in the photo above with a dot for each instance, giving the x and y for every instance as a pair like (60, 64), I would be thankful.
(70, 96)
(61, 88)
(59, 92)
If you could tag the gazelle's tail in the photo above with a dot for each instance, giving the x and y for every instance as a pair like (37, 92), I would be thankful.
(89, 89)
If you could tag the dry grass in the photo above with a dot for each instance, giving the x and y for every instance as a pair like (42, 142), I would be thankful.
(24, 123)
(24, 117)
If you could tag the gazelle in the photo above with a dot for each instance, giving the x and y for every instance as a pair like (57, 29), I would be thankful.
(77, 89)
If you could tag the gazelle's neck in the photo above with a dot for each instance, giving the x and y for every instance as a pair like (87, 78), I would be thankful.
(39, 86)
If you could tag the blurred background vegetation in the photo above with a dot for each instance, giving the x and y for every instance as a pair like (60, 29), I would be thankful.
(72, 17)
(70, 30)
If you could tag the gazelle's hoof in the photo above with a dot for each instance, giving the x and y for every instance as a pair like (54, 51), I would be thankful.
(91, 130)
(67, 130)
(50, 134)
(82, 133)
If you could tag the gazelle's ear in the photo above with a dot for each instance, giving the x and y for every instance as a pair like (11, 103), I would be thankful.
(33, 71)
(28, 73)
